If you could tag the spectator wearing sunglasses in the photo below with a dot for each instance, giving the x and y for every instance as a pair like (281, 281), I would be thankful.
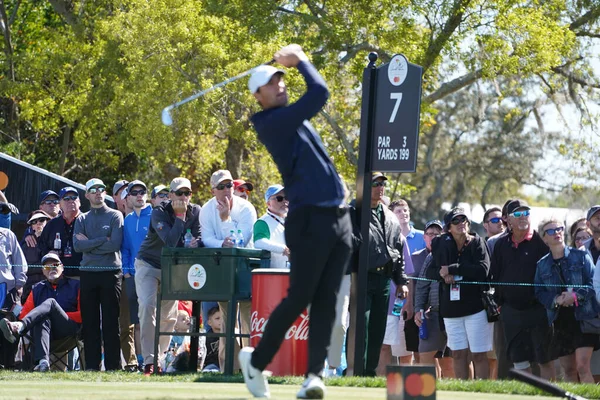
(119, 195)
(63, 225)
(242, 189)
(36, 221)
(52, 311)
(459, 254)
(559, 274)
(49, 201)
(527, 334)
(169, 222)
(98, 235)
(270, 228)
(220, 216)
(159, 195)
(492, 222)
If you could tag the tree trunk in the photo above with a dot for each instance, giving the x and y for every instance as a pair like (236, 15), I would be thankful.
(233, 156)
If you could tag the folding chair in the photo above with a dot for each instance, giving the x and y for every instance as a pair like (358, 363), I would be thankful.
(59, 353)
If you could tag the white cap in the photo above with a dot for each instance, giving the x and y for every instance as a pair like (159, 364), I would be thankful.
(94, 182)
(179, 183)
(220, 176)
(261, 76)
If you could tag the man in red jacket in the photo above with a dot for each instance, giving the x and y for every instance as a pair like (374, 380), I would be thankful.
(51, 311)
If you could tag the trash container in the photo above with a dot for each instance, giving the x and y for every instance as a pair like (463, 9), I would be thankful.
(269, 287)
(209, 274)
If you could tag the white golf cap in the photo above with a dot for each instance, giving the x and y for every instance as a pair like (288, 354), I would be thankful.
(180, 183)
(261, 76)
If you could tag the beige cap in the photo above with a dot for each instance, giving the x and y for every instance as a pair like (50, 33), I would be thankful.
(179, 183)
(220, 176)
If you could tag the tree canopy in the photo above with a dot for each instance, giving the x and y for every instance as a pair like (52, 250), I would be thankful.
(83, 84)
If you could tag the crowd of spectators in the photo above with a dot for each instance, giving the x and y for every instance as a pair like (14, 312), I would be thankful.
(96, 275)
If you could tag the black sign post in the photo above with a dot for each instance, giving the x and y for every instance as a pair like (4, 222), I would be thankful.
(389, 137)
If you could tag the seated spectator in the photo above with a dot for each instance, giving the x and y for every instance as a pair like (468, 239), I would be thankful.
(211, 361)
(51, 312)
(242, 189)
(37, 221)
(556, 275)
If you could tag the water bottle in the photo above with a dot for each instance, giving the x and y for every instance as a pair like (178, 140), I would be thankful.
(57, 242)
(239, 241)
(187, 239)
(423, 332)
(233, 237)
(398, 304)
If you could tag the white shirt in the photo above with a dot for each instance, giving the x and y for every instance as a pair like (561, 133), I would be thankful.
(214, 231)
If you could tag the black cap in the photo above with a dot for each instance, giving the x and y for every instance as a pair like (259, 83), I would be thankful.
(45, 194)
(592, 211)
(455, 212)
(516, 205)
(377, 175)
(434, 222)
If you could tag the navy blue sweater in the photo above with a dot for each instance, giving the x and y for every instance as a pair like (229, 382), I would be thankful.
(309, 176)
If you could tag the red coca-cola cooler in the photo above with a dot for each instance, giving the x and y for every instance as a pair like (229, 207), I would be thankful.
(269, 287)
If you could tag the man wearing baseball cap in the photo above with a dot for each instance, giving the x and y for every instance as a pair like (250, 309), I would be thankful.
(120, 188)
(159, 195)
(169, 222)
(48, 202)
(270, 228)
(53, 303)
(318, 227)
(242, 189)
(514, 260)
(220, 216)
(98, 235)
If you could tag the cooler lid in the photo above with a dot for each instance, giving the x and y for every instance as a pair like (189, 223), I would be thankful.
(271, 271)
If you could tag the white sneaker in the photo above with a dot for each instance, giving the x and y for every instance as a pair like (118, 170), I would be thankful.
(329, 373)
(255, 380)
(312, 388)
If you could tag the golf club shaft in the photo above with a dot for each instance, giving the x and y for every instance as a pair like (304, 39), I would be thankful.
(218, 85)
(543, 384)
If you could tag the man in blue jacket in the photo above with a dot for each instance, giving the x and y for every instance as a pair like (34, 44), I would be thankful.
(317, 229)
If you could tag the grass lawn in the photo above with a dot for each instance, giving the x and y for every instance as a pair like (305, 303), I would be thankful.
(126, 386)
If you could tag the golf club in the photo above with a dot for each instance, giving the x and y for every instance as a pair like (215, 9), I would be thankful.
(166, 112)
(543, 384)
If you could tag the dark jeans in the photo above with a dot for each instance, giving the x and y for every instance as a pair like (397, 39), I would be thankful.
(319, 239)
(376, 310)
(101, 292)
(46, 322)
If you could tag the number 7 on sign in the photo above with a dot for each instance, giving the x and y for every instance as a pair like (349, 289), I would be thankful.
(398, 98)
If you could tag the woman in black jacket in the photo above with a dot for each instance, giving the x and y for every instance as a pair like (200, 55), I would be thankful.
(459, 255)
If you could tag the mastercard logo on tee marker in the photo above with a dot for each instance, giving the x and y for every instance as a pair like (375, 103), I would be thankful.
(410, 382)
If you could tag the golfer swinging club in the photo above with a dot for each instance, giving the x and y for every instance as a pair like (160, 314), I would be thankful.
(318, 227)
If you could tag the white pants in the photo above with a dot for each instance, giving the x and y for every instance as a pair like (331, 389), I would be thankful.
(340, 324)
(147, 281)
(472, 332)
(395, 337)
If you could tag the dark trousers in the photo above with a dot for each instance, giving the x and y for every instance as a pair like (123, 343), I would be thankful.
(319, 239)
(376, 310)
(46, 322)
(101, 291)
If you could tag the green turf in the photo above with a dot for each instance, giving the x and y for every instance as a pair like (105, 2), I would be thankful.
(92, 385)
(152, 389)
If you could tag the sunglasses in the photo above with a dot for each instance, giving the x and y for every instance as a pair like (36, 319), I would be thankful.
(458, 220)
(553, 231)
(242, 189)
(186, 193)
(519, 214)
(222, 186)
(70, 198)
(137, 192)
(280, 198)
(379, 184)
(163, 195)
(51, 266)
(97, 190)
(494, 220)
(582, 238)
(39, 220)
(48, 202)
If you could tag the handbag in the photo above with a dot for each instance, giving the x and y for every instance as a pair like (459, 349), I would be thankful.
(590, 326)
(489, 303)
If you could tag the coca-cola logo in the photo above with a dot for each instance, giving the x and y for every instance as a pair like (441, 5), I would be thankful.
(298, 331)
